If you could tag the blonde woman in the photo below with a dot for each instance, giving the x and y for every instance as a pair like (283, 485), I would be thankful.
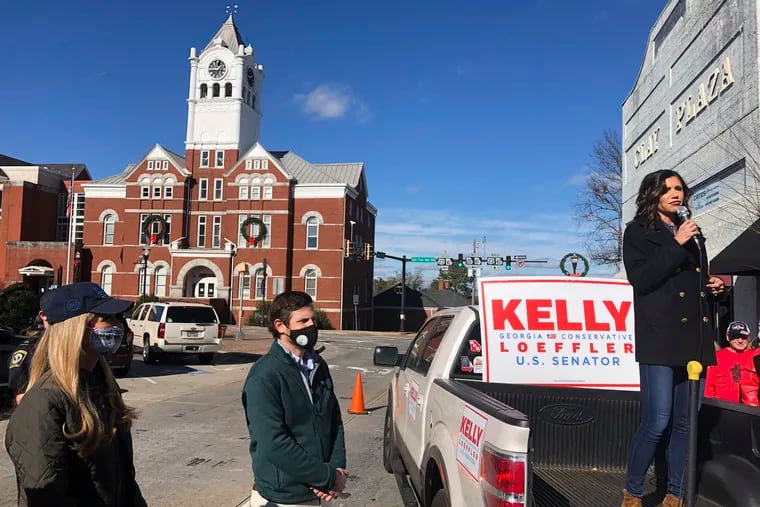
(69, 439)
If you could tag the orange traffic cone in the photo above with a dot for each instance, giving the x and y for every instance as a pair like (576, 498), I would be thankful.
(357, 400)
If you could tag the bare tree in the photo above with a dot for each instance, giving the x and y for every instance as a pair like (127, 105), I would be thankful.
(414, 280)
(599, 207)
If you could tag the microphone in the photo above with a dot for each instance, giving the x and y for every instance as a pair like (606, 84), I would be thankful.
(683, 215)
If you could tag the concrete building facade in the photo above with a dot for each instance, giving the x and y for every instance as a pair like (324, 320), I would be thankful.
(694, 109)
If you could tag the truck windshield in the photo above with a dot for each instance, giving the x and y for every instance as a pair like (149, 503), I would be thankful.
(195, 314)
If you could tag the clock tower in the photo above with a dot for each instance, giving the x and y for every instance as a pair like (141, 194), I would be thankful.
(223, 104)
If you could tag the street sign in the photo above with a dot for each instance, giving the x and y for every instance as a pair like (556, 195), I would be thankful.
(519, 257)
(380, 255)
(356, 299)
(443, 261)
(520, 263)
(424, 259)
(494, 261)
(444, 268)
(473, 261)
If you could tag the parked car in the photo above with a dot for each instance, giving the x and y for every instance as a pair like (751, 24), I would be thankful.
(121, 361)
(176, 328)
(463, 441)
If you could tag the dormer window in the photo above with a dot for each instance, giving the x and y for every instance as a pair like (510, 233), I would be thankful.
(228, 90)
(204, 90)
(165, 164)
(248, 164)
(150, 165)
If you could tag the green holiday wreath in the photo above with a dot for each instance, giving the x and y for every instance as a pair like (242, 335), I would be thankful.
(562, 262)
(148, 226)
(253, 241)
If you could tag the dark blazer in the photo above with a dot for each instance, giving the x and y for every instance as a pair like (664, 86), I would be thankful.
(673, 311)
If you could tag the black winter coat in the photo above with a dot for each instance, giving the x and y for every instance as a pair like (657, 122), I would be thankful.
(674, 323)
(48, 472)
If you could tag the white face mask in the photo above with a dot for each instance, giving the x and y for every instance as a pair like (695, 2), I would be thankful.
(106, 340)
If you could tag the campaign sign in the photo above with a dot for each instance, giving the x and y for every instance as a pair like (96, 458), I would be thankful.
(472, 426)
(561, 331)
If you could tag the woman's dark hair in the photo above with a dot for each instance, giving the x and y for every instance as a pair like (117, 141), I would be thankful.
(284, 305)
(652, 188)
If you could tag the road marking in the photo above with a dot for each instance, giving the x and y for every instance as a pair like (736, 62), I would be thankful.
(363, 370)
(149, 380)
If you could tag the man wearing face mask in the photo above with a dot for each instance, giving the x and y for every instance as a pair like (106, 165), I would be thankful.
(297, 444)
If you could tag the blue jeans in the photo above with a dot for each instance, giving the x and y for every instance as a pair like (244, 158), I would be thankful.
(664, 405)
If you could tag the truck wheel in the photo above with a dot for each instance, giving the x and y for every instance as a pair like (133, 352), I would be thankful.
(389, 449)
(441, 498)
(149, 355)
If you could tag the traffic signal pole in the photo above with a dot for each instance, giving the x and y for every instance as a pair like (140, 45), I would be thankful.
(404, 259)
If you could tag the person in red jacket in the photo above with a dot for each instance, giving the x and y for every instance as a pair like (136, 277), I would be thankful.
(724, 380)
(750, 377)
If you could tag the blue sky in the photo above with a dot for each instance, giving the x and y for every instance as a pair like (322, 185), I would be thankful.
(473, 118)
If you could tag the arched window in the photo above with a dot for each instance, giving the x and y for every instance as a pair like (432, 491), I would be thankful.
(268, 188)
(160, 287)
(204, 90)
(108, 225)
(143, 280)
(145, 188)
(312, 232)
(253, 102)
(261, 285)
(248, 97)
(215, 89)
(228, 90)
(310, 283)
(106, 279)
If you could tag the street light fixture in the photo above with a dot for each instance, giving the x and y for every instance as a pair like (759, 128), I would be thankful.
(77, 265)
(242, 273)
(145, 255)
(574, 261)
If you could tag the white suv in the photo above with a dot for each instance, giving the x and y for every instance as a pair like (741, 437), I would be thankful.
(187, 328)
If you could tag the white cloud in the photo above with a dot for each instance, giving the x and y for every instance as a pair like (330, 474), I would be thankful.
(430, 233)
(578, 179)
(330, 101)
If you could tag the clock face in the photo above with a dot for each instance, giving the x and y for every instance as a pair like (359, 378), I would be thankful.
(250, 76)
(217, 69)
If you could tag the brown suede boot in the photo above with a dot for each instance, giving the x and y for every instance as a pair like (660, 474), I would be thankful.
(630, 500)
(672, 501)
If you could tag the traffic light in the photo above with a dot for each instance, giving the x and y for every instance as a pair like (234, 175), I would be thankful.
(460, 261)
(508, 263)
(348, 248)
(368, 251)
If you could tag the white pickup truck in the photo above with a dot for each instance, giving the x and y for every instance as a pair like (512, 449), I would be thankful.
(465, 442)
(434, 434)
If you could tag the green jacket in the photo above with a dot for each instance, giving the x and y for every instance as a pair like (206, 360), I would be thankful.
(296, 444)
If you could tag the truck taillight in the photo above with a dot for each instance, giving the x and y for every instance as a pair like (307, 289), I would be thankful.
(502, 477)
(161, 331)
(220, 331)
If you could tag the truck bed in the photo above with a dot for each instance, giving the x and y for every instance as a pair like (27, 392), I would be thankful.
(579, 443)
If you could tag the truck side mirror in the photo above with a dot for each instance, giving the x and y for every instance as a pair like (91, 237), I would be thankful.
(386, 356)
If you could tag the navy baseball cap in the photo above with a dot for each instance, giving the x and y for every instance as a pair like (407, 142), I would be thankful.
(79, 298)
(738, 329)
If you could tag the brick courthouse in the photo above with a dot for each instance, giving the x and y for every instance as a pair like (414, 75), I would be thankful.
(229, 220)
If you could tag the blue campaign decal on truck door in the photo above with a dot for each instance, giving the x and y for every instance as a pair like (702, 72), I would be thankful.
(472, 427)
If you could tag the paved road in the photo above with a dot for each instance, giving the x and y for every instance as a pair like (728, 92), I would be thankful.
(191, 443)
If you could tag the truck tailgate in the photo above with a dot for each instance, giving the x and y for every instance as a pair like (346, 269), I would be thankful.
(579, 442)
